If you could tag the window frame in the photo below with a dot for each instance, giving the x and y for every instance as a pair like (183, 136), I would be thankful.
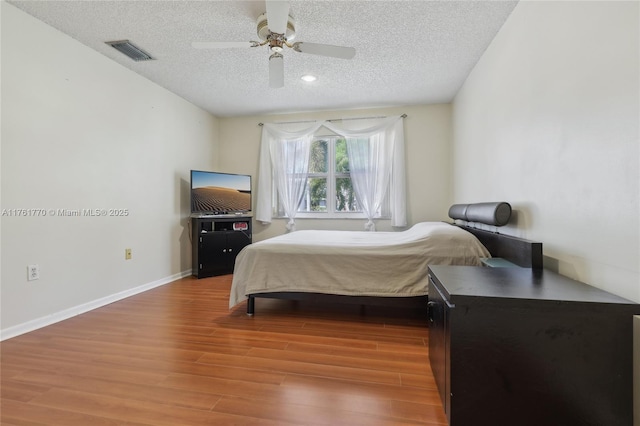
(331, 177)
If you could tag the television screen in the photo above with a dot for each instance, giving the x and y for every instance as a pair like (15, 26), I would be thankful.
(220, 193)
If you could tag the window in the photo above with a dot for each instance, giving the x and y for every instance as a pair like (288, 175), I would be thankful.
(329, 192)
(374, 169)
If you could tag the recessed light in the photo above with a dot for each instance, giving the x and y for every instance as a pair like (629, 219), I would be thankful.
(309, 78)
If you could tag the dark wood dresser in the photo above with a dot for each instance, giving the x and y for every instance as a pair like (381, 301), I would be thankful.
(519, 346)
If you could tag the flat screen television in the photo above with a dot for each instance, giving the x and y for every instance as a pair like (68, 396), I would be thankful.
(219, 193)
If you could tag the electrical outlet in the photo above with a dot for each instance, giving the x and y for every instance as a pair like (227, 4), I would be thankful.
(33, 272)
(127, 254)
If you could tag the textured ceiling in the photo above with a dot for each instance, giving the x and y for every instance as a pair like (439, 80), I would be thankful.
(407, 52)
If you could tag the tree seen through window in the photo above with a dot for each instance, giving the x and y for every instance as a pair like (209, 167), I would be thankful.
(329, 186)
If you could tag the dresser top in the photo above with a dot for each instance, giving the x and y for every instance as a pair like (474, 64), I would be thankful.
(516, 283)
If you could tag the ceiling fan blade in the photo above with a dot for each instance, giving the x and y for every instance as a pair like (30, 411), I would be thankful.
(325, 50)
(276, 71)
(277, 16)
(221, 44)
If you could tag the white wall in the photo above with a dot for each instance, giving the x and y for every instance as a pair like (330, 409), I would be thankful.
(82, 132)
(427, 149)
(548, 120)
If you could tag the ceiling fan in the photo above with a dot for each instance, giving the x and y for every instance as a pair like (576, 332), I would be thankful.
(276, 29)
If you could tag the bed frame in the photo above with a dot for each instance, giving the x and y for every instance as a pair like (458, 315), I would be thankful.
(521, 252)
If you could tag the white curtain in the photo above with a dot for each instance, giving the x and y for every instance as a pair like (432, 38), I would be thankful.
(376, 157)
(284, 159)
(370, 172)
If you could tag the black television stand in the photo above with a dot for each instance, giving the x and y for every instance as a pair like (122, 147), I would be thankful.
(216, 240)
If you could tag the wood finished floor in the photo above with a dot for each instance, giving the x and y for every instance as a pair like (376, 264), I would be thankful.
(176, 355)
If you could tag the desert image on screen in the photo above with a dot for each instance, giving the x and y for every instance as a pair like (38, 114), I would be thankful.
(218, 199)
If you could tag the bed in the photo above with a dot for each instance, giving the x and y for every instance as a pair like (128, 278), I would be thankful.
(381, 268)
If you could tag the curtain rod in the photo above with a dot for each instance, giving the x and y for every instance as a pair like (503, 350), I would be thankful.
(333, 119)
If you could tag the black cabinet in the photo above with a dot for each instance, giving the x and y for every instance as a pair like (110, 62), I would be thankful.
(216, 241)
(517, 346)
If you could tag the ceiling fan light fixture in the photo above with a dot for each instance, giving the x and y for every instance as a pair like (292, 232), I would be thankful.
(308, 78)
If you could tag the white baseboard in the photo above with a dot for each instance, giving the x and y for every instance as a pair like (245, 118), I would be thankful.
(86, 307)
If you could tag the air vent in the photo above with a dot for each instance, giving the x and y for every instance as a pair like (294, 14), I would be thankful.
(129, 49)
